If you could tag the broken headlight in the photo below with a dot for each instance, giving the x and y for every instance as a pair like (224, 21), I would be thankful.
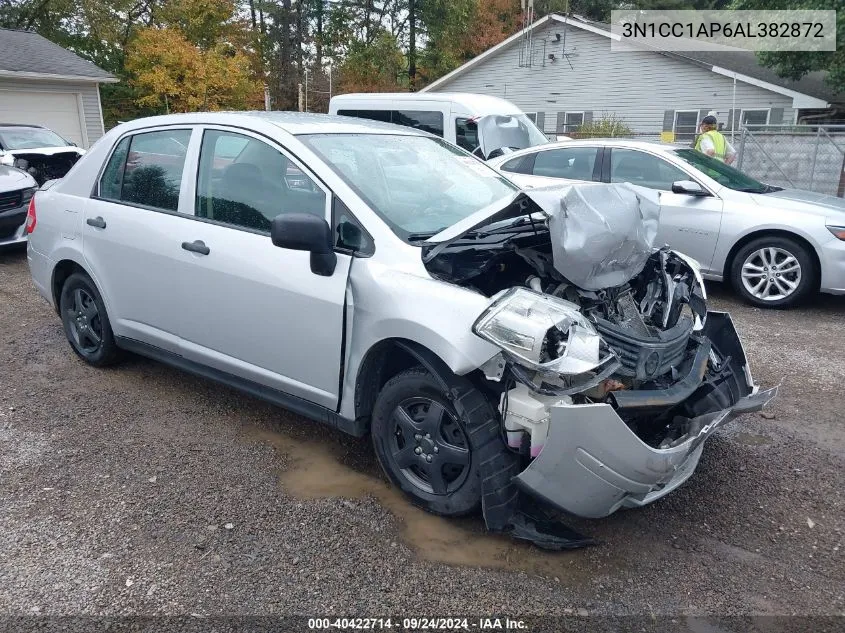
(549, 337)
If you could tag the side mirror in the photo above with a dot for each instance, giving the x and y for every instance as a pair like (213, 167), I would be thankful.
(306, 232)
(690, 188)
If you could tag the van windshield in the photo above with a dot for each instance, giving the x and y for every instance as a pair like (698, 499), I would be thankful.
(508, 130)
(418, 185)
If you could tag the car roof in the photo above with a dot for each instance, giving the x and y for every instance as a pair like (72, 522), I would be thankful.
(40, 127)
(479, 104)
(291, 122)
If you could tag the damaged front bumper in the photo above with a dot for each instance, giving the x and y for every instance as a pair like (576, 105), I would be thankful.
(592, 463)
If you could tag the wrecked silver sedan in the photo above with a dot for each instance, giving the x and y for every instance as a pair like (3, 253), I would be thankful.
(517, 353)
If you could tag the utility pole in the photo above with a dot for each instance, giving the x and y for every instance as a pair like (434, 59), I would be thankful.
(306, 90)
(330, 80)
(299, 100)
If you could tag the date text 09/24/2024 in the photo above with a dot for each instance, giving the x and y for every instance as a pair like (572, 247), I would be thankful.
(417, 624)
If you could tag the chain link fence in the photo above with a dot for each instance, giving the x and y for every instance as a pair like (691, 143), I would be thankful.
(808, 157)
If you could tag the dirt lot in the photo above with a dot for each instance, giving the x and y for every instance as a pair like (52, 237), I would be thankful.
(141, 489)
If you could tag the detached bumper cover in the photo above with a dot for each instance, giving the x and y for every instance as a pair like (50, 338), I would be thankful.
(592, 464)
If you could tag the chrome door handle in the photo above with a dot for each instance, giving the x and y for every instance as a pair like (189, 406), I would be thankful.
(97, 222)
(197, 246)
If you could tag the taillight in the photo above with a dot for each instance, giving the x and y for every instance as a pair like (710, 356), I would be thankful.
(30, 217)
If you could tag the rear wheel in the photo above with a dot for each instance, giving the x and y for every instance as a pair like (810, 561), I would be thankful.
(85, 321)
(423, 444)
(773, 272)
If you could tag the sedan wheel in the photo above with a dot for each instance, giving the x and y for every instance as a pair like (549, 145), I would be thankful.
(85, 321)
(773, 272)
(86, 328)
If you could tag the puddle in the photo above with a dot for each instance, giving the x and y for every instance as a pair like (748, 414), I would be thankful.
(316, 472)
(751, 439)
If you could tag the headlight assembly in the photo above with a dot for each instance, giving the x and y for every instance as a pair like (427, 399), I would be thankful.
(549, 337)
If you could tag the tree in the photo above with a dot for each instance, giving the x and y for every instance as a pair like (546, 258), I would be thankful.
(168, 70)
(794, 65)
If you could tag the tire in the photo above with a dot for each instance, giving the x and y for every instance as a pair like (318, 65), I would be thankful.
(433, 437)
(86, 322)
(795, 275)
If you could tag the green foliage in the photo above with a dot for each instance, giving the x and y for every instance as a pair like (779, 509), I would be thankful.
(792, 65)
(608, 126)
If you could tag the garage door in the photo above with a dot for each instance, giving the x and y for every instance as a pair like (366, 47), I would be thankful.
(58, 111)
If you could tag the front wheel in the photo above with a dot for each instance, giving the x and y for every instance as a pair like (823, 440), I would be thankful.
(773, 272)
(423, 444)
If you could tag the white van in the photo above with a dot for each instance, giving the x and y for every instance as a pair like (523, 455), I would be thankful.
(486, 126)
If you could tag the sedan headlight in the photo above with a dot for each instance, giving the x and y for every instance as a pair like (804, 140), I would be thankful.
(548, 336)
(838, 232)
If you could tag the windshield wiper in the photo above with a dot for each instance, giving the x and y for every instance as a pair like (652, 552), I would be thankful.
(421, 237)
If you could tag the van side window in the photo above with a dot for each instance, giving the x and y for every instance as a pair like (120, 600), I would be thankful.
(466, 134)
(373, 115)
(427, 121)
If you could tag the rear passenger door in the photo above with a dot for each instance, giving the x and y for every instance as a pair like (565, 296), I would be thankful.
(129, 234)
(560, 165)
(249, 308)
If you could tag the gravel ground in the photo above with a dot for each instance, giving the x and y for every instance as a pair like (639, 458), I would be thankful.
(143, 490)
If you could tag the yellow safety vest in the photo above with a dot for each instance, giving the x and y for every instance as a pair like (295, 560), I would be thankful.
(720, 145)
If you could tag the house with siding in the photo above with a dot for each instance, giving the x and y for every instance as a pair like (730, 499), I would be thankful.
(562, 72)
(42, 83)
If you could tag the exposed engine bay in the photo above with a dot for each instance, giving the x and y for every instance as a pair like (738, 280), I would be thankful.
(599, 330)
(44, 167)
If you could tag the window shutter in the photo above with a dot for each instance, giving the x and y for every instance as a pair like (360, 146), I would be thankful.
(588, 117)
(668, 120)
(776, 116)
(541, 121)
(561, 123)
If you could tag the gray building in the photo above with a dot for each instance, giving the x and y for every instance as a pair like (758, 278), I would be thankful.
(562, 72)
(42, 83)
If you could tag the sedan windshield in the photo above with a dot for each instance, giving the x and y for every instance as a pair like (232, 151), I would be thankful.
(723, 174)
(417, 184)
(13, 138)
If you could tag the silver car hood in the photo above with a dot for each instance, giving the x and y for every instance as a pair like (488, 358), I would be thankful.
(601, 234)
(804, 201)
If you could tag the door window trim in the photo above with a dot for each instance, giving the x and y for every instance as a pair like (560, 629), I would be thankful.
(692, 177)
(203, 128)
(95, 194)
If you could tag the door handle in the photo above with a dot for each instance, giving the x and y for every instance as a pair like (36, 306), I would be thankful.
(97, 222)
(197, 246)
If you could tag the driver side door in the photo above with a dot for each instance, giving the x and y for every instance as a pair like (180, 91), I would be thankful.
(251, 309)
(689, 224)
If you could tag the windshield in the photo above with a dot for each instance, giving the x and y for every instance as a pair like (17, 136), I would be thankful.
(508, 130)
(418, 185)
(723, 174)
(29, 138)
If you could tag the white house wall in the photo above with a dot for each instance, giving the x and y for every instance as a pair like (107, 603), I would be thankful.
(638, 86)
(92, 117)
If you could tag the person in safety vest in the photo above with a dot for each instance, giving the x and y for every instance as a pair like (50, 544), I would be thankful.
(713, 143)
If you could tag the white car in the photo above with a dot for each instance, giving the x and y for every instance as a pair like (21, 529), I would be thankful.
(775, 246)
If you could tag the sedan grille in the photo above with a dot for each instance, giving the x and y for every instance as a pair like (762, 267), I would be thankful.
(647, 357)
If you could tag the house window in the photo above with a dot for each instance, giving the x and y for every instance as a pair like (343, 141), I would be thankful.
(686, 125)
(752, 118)
(572, 122)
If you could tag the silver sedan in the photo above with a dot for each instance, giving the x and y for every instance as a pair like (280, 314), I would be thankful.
(775, 246)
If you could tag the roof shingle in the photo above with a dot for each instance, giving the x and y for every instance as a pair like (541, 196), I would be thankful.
(28, 52)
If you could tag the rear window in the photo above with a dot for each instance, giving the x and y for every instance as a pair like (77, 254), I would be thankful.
(426, 120)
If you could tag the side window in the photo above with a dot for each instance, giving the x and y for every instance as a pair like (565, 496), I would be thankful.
(349, 234)
(246, 183)
(521, 165)
(373, 115)
(466, 134)
(575, 163)
(646, 170)
(146, 169)
(422, 120)
(111, 181)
